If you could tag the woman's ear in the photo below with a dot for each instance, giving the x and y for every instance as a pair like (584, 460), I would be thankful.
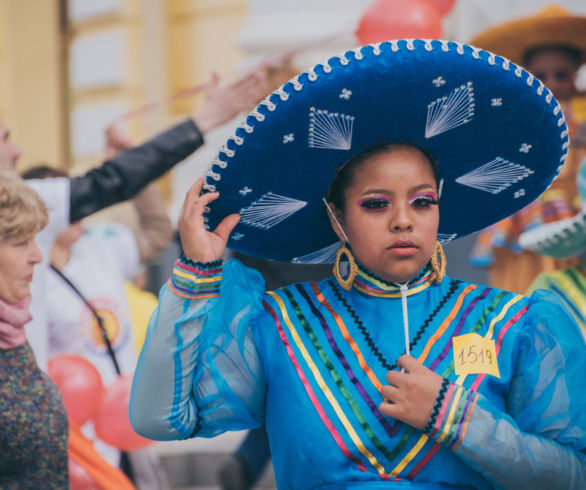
(336, 220)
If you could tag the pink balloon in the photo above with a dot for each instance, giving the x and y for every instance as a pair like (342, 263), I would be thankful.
(80, 385)
(112, 423)
(444, 6)
(80, 479)
(399, 19)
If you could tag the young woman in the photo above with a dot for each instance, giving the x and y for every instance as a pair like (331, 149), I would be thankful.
(392, 374)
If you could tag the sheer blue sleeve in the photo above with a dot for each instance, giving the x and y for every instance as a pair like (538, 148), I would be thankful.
(199, 372)
(539, 441)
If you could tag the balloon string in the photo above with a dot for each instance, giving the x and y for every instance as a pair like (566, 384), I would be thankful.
(153, 105)
(271, 60)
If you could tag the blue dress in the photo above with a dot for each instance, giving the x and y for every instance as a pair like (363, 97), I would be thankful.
(309, 360)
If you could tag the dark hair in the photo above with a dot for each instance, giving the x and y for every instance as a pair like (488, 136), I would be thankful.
(574, 54)
(345, 176)
(43, 172)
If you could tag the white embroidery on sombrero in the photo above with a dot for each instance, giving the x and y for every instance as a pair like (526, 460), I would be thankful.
(519, 193)
(525, 147)
(288, 138)
(330, 130)
(345, 94)
(497, 102)
(237, 236)
(444, 238)
(450, 111)
(439, 81)
(245, 190)
(270, 210)
(495, 176)
(322, 256)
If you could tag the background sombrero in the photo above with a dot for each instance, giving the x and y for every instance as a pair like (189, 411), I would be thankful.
(551, 26)
(497, 133)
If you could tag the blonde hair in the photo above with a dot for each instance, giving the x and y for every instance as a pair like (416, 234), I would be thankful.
(22, 211)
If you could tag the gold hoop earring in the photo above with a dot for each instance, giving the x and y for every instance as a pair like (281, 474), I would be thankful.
(352, 268)
(439, 266)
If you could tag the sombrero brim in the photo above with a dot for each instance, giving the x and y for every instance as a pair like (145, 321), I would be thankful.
(562, 239)
(498, 135)
(513, 39)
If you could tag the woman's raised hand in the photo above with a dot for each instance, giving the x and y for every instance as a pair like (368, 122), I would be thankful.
(198, 243)
(411, 395)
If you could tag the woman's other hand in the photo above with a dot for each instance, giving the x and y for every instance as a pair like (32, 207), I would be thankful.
(411, 395)
(198, 243)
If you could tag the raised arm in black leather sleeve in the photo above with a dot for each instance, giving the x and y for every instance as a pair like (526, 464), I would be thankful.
(121, 177)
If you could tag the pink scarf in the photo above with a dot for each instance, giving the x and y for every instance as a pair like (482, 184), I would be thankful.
(12, 321)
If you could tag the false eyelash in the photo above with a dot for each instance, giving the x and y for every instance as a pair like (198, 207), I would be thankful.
(429, 201)
(363, 203)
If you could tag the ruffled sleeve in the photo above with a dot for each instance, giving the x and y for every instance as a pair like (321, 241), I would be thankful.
(539, 439)
(199, 371)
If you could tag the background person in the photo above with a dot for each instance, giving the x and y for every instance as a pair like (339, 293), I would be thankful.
(551, 45)
(120, 178)
(561, 240)
(33, 422)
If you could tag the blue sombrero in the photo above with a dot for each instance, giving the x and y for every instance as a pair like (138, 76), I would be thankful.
(497, 133)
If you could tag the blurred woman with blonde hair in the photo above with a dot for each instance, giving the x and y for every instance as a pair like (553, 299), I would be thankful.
(33, 425)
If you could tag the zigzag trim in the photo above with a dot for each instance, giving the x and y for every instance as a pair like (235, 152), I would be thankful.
(453, 286)
(200, 265)
(361, 327)
(436, 407)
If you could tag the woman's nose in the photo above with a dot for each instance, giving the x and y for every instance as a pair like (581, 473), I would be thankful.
(36, 255)
(401, 220)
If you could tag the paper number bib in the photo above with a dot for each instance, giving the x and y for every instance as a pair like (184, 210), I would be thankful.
(474, 354)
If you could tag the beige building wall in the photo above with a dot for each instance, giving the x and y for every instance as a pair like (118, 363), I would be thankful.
(124, 54)
(70, 67)
(32, 79)
(202, 40)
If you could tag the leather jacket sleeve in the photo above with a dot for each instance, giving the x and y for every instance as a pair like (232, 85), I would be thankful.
(123, 176)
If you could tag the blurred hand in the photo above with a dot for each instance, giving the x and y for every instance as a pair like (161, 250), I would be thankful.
(222, 103)
(411, 395)
(115, 141)
(198, 243)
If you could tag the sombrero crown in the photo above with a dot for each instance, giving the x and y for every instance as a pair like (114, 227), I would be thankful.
(497, 133)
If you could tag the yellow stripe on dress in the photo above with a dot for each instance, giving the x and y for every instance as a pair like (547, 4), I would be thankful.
(325, 389)
(442, 328)
(415, 290)
(196, 279)
(448, 423)
(410, 455)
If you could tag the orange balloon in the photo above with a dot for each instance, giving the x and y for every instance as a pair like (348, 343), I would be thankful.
(80, 385)
(399, 19)
(112, 423)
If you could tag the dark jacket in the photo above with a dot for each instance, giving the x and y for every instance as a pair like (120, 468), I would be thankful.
(123, 176)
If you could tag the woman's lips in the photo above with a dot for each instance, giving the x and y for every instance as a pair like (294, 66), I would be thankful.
(402, 248)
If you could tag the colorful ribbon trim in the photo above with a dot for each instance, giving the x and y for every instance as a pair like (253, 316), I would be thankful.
(196, 280)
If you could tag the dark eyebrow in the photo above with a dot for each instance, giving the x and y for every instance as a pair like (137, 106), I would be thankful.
(420, 187)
